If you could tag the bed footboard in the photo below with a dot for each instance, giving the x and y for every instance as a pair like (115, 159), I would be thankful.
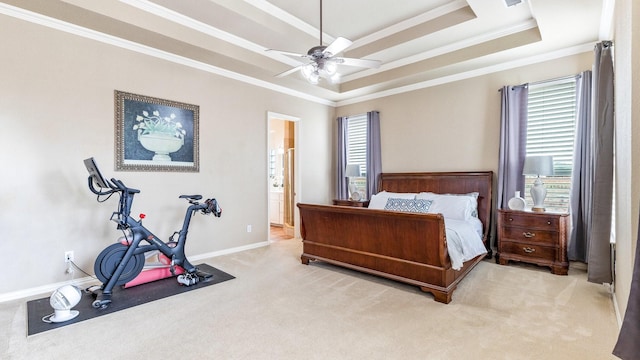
(406, 247)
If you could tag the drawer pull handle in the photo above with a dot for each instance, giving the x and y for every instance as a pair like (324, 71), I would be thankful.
(510, 219)
(528, 250)
(528, 234)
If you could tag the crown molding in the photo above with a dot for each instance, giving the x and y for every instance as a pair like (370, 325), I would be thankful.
(56, 24)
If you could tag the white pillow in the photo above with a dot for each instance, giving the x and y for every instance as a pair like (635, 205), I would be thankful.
(452, 206)
(379, 200)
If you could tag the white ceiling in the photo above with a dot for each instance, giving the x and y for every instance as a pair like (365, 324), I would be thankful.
(420, 43)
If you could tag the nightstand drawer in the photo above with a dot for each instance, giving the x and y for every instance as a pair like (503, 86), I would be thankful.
(538, 238)
(531, 221)
(530, 235)
(529, 250)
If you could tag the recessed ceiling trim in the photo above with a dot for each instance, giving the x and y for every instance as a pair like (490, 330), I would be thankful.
(579, 49)
(418, 31)
(284, 16)
(409, 23)
(340, 99)
(186, 21)
(146, 50)
(482, 38)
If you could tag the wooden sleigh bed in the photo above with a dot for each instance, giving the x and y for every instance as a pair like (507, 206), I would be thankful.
(403, 246)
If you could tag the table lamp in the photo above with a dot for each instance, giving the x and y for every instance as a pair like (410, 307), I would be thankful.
(352, 170)
(538, 165)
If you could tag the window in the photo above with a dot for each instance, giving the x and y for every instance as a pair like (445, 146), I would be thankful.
(357, 150)
(550, 131)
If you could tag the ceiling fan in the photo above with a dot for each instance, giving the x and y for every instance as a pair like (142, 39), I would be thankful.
(324, 62)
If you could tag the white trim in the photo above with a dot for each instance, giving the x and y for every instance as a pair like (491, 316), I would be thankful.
(147, 50)
(606, 19)
(527, 25)
(129, 45)
(87, 281)
(409, 23)
(616, 309)
(297, 188)
(287, 18)
(473, 73)
(228, 251)
(188, 22)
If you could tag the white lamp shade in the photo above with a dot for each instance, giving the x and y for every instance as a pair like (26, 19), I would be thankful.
(538, 165)
(352, 170)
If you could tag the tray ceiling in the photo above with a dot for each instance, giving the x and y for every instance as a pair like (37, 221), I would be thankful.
(420, 43)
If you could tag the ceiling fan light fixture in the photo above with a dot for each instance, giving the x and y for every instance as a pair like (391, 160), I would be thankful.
(307, 70)
(330, 67)
(314, 78)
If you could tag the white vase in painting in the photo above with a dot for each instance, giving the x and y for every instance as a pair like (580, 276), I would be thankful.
(162, 144)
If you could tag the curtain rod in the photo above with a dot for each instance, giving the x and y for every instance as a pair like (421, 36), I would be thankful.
(546, 81)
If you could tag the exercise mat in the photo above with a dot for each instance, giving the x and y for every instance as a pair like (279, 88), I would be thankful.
(121, 299)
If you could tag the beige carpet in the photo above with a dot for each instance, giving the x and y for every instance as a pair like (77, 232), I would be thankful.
(277, 308)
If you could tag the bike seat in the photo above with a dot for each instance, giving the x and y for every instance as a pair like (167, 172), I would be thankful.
(191, 197)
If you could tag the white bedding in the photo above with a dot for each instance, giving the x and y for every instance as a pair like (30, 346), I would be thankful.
(464, 240)
(463, 229)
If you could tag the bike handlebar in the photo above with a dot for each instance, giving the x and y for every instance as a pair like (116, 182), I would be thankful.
(212, 208)
(121, 186)
(209, 206)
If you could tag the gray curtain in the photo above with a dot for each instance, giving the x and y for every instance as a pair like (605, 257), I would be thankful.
(582, 172)
(373, 156)
(342, 184)
(592, 175)
(599, 246)
(374, 152)
(628, 346)
(513, 141)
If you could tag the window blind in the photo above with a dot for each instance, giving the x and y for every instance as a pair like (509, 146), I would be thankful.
(550, 131)
(357, 141)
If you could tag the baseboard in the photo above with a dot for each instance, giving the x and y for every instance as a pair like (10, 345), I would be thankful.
(616, 309)
(86, 281)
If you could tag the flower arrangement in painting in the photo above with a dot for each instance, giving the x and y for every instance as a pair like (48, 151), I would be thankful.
(154, 123)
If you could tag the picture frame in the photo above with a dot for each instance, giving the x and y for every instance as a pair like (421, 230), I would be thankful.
(153, 134)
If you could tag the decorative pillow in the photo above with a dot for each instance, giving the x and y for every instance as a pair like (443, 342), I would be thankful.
(453, 206)
(408, 205)
(379, 200)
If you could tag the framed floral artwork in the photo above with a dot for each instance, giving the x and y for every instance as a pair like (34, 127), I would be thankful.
(154, 134)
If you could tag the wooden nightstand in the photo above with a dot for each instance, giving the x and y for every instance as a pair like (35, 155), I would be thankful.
(533, 237)
(353, 203)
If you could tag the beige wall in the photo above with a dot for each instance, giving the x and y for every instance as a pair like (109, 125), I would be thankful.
(456, 126)
(627, 109)
(56, 109)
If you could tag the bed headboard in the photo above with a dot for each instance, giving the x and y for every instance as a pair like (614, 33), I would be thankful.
(445, 183)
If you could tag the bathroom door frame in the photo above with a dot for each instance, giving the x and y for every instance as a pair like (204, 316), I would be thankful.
(297, 188)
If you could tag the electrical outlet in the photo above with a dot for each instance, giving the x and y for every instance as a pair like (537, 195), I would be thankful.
(68, 256)
(248, 228)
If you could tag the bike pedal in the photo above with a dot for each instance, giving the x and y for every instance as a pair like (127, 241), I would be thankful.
(204, 276)
(188, 279)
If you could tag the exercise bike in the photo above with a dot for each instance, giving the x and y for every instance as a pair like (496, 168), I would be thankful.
(123, 262)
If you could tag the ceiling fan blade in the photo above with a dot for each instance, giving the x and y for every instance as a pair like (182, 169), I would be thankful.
(338, 45)
(290, 71)
(366, 63)
(288, 53)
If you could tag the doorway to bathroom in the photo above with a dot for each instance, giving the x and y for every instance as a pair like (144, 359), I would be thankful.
(281, 176)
